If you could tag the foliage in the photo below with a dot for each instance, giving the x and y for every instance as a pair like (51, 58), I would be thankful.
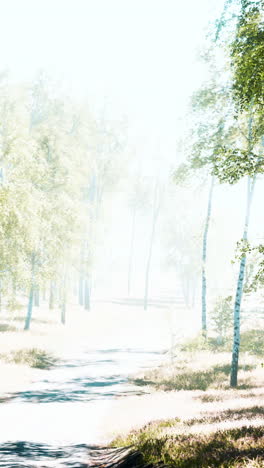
(50, 151)
(221, 317)
(230, 165)
(256, 263)
(252, 341)
(181, 173)
(247, 56)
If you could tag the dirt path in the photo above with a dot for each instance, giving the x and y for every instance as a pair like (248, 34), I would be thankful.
(54, 422)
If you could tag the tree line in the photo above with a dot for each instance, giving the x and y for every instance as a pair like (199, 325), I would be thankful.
(57, 161)
(227, 134)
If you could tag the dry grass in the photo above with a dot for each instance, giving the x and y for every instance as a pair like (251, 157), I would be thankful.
(228, 432)
(32, 357)
(223, 448)
(203, 371)
(200, 422)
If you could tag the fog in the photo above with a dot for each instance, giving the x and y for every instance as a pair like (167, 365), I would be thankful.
(131, 232)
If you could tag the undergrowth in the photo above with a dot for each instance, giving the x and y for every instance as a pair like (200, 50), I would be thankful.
(233, 448)
(32, 357)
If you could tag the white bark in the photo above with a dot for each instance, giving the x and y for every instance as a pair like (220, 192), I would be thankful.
(156, 207)
(131, 253)
(204, 256)
(239, 290)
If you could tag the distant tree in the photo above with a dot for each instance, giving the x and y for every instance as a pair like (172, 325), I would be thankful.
(139, 200)
(155, 214)
(209, 130)
(238, 160)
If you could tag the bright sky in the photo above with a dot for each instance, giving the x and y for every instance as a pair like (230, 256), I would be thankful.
(137, 55)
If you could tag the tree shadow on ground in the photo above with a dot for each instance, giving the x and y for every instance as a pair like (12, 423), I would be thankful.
(189, 379)
(251, 412)
(85, 387)
(33, 455)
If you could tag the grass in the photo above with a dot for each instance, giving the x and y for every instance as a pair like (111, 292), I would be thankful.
(252, 342)
(214, 426)
(200, 371)
(218, 435)
(5, 327)
(238, 447)
(32, 357)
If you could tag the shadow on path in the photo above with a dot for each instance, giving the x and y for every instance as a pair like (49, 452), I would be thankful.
(87, 378)
(32, 455)
(90, 375)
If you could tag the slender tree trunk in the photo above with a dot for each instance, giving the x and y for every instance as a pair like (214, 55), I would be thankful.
(154, 221)
(51, 295)
(81, 288)
(44, 293)
(36, 296)
(131, 253)
(75, 287)
(63, 299)
(87, 304)
(239, 290)
(204, 257)
(31, 294)
(81, 278)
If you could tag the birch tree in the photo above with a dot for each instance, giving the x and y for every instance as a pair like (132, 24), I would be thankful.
(155, 214)
(210, 109)
(138, 202)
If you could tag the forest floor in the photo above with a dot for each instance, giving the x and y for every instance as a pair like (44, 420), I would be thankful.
(192, 418)
(115, 323)
(23, 355)
(183, 414)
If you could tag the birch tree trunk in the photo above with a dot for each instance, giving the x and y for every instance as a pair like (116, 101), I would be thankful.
(81, 290)
(87, 304)
(36, 296)
(44, 293)
(31, 294)
(131, 252)
(51, 295)
(81, 278)
(63, 299)
(204, 258)
(239, 290)
(154, 222)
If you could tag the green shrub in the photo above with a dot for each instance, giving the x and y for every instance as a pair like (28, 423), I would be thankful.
(252, 341)
(198, 343)
(221, 318)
